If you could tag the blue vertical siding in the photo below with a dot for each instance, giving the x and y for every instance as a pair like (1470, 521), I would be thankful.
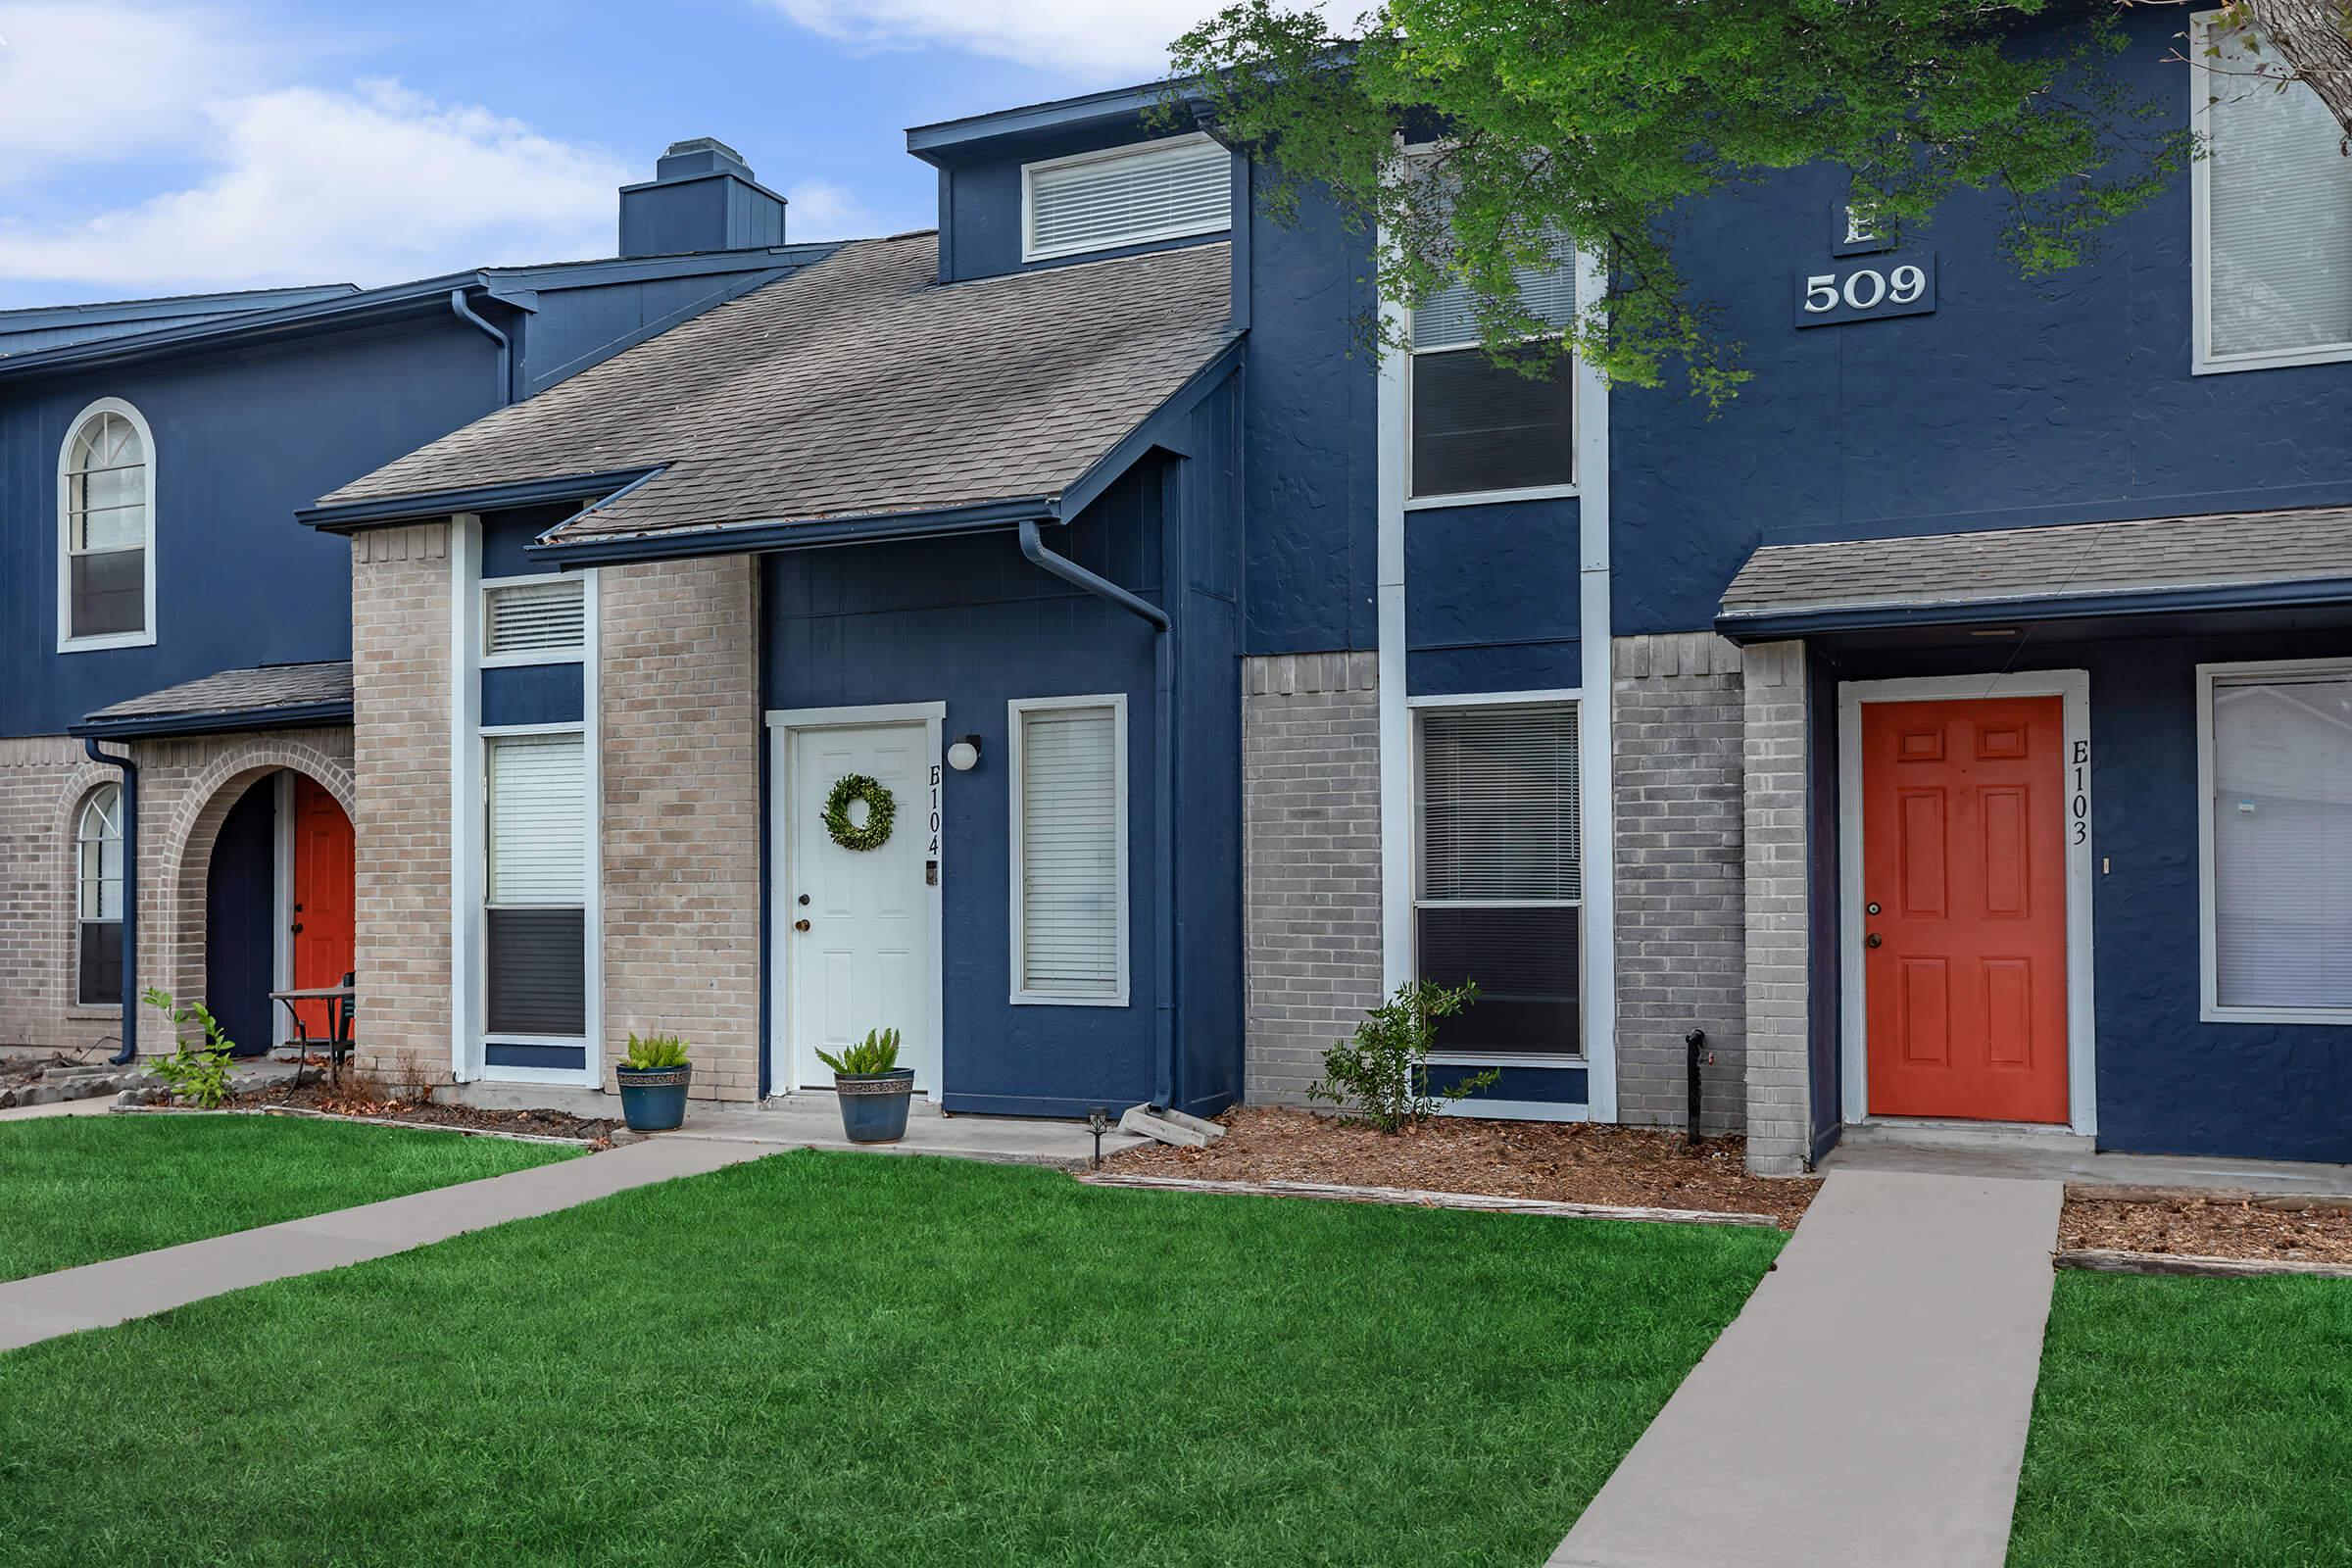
(1490, 601)
(980, 199)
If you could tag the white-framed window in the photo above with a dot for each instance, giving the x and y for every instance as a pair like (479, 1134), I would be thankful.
(535, 883)
(534, 620)
(2275, 836)
(2273, 204)
(1498, 888)
(1475, 430)
(1069, 850)
(98, 899)
(106, 531)
(1167, 189)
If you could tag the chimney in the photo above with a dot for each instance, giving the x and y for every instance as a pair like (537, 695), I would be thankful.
(701, 198)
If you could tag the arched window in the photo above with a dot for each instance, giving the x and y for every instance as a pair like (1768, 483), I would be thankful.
(98, 897)
(105, 513)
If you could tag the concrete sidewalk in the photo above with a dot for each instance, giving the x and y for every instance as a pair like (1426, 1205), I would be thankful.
(1868, 1406)
(100, 1294)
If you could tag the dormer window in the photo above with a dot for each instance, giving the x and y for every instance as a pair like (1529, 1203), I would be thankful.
(1136, 195)
(106, 527)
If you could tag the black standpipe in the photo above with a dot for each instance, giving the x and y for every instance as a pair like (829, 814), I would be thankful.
(1694, 1044)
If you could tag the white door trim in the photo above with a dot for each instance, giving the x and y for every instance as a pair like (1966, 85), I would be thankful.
(782, 725)
(2073, 689)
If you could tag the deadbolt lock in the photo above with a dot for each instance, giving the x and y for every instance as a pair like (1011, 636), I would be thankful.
(1868, 908)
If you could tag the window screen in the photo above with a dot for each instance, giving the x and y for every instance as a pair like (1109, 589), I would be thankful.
(98, 898)
(2279, 207)
(1069, 809)
(1476, 425)
(1164, 190)
(535, 617)
(2281, 809)
(538, 856)
(1502, 875)
(105, 503)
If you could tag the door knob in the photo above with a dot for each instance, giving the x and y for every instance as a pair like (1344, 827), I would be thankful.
(1873, 940)
(800, 925)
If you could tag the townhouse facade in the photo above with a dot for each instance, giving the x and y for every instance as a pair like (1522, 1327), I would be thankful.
(1948, 733)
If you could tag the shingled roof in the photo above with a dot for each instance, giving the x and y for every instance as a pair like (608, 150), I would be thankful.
(2067, 562)
(858, 387)
(267, 695)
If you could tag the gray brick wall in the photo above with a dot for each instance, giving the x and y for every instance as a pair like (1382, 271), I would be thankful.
(1779, 1088)
(1310, 824)
(1681, 906)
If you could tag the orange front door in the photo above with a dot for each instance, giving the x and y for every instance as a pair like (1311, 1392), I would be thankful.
(1964, 859)
(322, 897)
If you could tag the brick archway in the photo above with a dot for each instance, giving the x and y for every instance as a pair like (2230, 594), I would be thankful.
(182, 860)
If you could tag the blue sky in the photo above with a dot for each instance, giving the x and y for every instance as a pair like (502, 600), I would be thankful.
(157, 148)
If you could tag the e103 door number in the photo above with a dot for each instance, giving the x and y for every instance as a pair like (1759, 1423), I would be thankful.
(1866, 288)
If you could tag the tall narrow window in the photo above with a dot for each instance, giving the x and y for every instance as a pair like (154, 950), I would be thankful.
(1502, 874)
(2279, 752)
(535, 920)
(2273, 210)
(1481, 426)
(98, 899)
(1069, 851)
(106, 504)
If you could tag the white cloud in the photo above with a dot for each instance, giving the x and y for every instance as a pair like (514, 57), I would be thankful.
(1125, 39)
(371, 185)
(822, 210)
(95, 80)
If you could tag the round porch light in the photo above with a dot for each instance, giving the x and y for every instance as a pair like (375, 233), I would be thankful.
(965, 755)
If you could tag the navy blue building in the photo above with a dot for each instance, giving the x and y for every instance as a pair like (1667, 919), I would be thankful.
(1948, 735)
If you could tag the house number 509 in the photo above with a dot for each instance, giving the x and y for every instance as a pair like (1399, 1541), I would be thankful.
(1866, 289)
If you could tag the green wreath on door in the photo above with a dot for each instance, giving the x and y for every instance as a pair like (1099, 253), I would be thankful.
(880, 810)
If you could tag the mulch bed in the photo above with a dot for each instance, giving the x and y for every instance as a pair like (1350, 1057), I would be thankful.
(2212, 1225)
(22, 1067)
(1574, 1162)
(359, 1099)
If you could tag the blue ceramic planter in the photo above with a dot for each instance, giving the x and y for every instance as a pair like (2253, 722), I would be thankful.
(873, 1105)
(652, 1099)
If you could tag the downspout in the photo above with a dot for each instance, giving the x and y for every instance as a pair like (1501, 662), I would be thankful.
(130, 899)
(505, 347)
(1164, 794)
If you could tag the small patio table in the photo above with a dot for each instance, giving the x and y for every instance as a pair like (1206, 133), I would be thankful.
(338, 1000)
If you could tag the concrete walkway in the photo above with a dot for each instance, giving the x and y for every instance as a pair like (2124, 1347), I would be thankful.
(1868, 1406)
(100, 1294)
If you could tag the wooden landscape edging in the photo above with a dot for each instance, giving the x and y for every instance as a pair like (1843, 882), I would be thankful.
(365, 1121)
(2106, 1260)
(2218, 1197)
(1422, 1198)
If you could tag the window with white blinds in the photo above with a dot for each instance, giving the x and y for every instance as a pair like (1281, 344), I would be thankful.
(2273, 205)
(535, 618)
(1477, 427)
(1069, 860)
(1161, 190)
(1500, 893)
(538, 849)
(2280, 875)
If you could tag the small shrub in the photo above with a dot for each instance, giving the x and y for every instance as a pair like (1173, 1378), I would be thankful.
(198, 1070)
(415, 1080)
(655, 1051)
(877, 1052)
(1383, 1072)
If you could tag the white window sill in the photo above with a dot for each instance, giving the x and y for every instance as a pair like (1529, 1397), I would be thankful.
(2272, 360)
(1032, 998)
(2340, 1017)
(1492, 498)
(549, 656)
(1504, 1058)
(91, 645)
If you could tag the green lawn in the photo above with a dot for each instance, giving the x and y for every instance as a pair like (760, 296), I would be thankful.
(852, 1360)
(79, 1188)
(2190, 1421)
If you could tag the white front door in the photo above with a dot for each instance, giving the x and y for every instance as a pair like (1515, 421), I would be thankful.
(856, 924)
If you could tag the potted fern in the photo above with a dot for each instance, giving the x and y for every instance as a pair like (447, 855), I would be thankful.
(872, 1086)
(654, 1077)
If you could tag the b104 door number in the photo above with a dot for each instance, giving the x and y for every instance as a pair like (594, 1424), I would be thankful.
(1867, 288)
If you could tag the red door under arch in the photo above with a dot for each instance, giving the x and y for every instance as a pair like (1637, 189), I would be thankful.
(324, 900)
